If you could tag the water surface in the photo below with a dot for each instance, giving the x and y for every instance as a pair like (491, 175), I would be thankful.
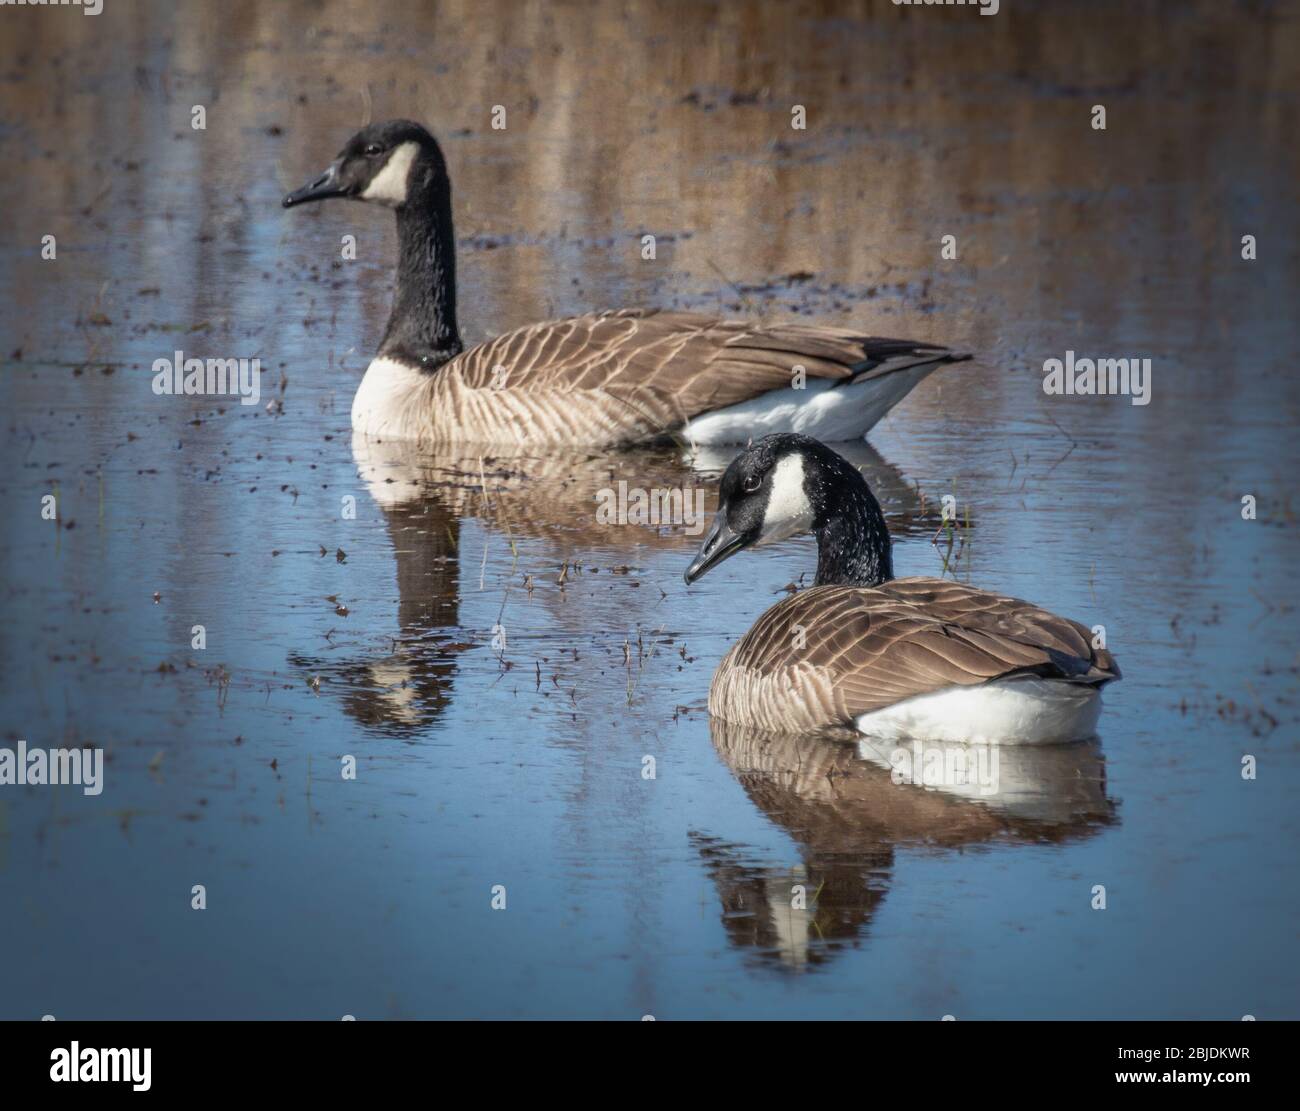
(498, 662)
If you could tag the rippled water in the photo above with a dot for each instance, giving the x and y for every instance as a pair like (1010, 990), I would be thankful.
(518, 762)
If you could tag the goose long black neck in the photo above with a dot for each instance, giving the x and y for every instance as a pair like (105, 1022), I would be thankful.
(422, 326)
(853, 546)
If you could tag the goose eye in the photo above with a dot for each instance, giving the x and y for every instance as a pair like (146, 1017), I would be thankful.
(751, 484)
(374, 148)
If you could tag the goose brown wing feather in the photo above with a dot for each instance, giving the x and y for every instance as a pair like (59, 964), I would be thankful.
(663, 367)
(830, 654)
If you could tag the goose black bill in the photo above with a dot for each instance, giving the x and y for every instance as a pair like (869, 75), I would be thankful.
(721, 543)
(325, 185)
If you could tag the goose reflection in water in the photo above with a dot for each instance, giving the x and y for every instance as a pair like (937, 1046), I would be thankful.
(555, 494)
(426, 497)
(402, 690)
(847, 803)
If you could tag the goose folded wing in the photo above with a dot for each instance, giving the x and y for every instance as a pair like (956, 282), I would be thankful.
(863, 649)
(668, 367)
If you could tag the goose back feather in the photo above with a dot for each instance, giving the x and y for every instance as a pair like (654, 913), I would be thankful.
(831, 654)
(617, 377)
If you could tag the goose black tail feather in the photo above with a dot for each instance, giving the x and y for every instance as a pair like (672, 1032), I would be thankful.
(887, 356)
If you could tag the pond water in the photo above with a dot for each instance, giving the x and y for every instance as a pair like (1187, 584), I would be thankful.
(500, 663)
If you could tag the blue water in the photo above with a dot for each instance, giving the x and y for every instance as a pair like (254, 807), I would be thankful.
(520, 764)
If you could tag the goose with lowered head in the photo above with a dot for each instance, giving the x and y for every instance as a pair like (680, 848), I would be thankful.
(894, 658)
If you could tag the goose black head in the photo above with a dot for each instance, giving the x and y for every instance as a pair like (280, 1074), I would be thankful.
(387, 163)
(787, 484)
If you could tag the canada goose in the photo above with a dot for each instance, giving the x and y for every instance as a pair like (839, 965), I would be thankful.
(603, 379)
(894, 658)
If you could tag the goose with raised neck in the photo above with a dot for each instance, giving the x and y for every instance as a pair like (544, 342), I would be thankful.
(602, 379)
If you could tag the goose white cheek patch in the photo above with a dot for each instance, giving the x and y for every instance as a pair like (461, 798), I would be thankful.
(788, 512)
(389, 185)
